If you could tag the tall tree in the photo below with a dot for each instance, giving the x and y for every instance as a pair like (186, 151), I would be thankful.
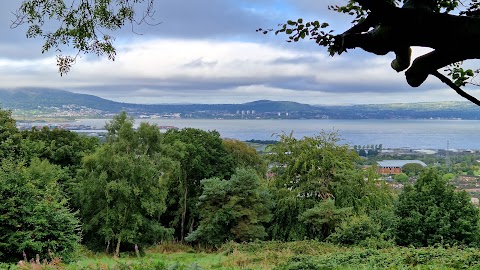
(324, 217)
(309, 171)
(60, 147)
(201, 155)
(122, 187)
(382, 26)
(310, 165)
(412, 168)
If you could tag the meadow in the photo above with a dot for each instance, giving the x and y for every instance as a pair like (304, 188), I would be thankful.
(271, 255)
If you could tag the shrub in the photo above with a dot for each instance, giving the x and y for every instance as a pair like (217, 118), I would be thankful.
(433, 212)
(232, 210)
(355, 230)
(34, 215)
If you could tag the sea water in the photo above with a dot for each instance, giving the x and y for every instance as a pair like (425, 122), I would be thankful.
(414, 134)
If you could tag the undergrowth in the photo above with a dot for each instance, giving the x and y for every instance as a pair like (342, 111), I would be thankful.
(272, 255)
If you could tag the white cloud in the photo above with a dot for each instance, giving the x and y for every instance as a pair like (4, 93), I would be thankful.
(206, 56)
(177, 70)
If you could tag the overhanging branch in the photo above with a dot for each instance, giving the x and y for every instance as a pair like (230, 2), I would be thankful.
(455, 87)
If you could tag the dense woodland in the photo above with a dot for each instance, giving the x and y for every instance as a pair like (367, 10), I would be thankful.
(61, 190)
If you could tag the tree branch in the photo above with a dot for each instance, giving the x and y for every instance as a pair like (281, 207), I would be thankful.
(375, 5)
(455, 87)
(415, 27)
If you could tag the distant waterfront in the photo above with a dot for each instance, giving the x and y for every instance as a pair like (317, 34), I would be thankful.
(415, 134)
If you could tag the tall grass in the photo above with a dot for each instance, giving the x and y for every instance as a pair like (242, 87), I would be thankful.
(269, 256)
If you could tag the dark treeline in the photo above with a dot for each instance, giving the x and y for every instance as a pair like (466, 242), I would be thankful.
(59, 189)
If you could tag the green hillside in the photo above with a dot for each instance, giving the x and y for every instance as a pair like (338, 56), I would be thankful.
(32, 98)
(37, 99)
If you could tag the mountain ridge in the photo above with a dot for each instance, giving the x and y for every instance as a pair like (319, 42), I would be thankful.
(35, 98)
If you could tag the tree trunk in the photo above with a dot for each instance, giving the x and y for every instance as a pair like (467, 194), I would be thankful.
(192, 225)
(184, 213)
(117, 250)
(107, 249)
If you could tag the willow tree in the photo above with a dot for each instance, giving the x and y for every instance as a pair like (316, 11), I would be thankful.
(309, 172)
(383, 26)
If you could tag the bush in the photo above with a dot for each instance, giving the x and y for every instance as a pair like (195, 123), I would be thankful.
(34, 215)
(233, 210)
(355, 230)
(401, 178)
(433, 212)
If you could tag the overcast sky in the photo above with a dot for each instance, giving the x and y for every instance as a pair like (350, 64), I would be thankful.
(207, 51)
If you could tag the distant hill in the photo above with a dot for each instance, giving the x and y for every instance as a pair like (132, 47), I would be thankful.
(424, 110)
(34, 99)
(30, 98)
(276, 106)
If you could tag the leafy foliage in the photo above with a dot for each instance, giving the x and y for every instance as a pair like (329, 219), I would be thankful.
(244, 156)
(356, 230)
(9, 136)
(412, 168)
(318, 168)
(285, 225)
(432, 212)
(402, 178)
(82, 25)
(201, 155)
(309, 166)
(460, 75)
(316, 180)
(122, 187)
(298, 30)
(34, 214)
(59, 146)
(325, 217)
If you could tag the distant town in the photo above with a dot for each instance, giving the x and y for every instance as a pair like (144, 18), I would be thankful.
(72, 111)
(38, 104)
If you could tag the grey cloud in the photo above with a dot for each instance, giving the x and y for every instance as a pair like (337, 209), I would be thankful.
(14, 43)
(222, 19)
(225, 20)
(200, 62)
(201, 19)
(311, 84)
(296, 83)
(296, 60)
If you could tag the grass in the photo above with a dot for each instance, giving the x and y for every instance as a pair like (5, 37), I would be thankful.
(276, 255)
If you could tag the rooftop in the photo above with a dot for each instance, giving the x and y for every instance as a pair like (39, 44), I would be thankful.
(399, 163)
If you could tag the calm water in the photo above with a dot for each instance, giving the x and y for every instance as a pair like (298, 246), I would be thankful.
(417, 134)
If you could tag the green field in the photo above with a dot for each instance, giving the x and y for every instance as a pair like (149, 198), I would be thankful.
(276, 255)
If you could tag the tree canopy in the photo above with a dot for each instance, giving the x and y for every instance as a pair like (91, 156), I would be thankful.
(121, 187)
(232, 209)
(433, 212)
(383, 26)
(201, 155)
(34, 214)
(314, 180)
